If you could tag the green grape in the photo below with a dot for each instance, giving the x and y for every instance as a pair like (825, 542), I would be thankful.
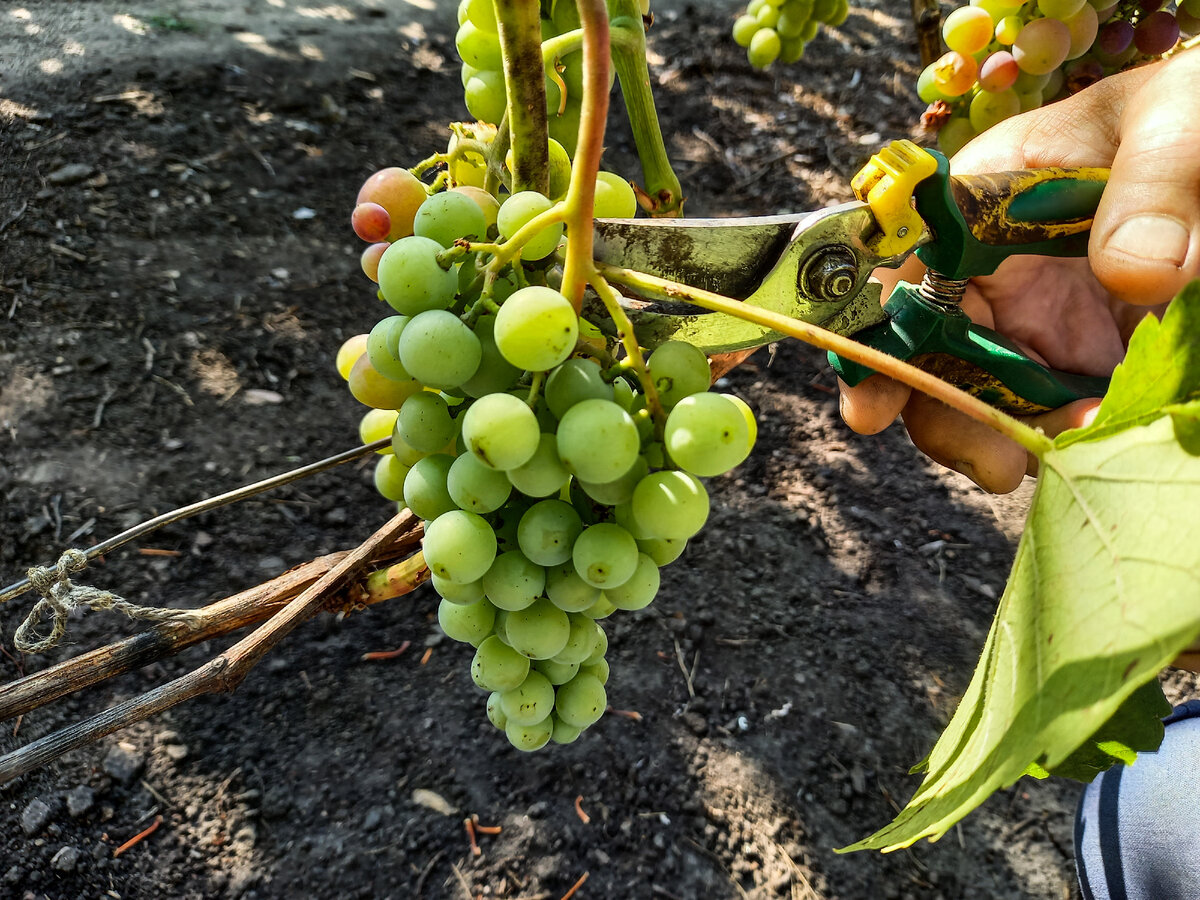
(513, 582)
(747, 415)
(466, 72)
(1060, 9)
(494, 713)
(614, 493)
(487, 204)
(841, 12)
(706, 434)
(597, 441)
(560, 162)
(597, 669)
(536, 328)
(482, 14)
(501, 430)
(640, 589)
(1041, 47)
(543, 474)
(601, 609)
(1083, 26)
(810, 30)
(1029, 99)
(1008, 28)
(564, 733)
(678, 370)
(351, 351)
(670, 505)
(791, 22)
(623, 394)
(496, 666)
(767, 16)
(404, 451)
(425, 491)
(389, 477)
(539, 631)
(764, 48)
(439, 350)
(557, 673)
(424, 422)
(495, 373)
(605, 555)
(568, 591)
(375, 425)
(475, 487)
(381, 348)
(954, 135)
(528, 738)
(927, 88)
(663, 551)
(478, 48)
(411, 278)
(576, 379)
(564, 128)
(459, 546)
(462, 594)
(500, 626)
(581, 701)
(373, 389)
(484, 95)
(988, 108)
(623, 513)
(470, 624)
(548, 531)
(448, 217)
(581, 642)
(600, 649)
(519, 209)
(529, 702)
(615, 198)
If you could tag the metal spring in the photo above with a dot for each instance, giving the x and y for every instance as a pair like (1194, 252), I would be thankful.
(942, 291)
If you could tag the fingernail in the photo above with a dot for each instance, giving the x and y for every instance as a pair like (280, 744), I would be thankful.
(1152, 237)
(965, 467)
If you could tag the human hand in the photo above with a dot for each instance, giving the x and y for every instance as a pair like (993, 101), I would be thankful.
(1071, 314)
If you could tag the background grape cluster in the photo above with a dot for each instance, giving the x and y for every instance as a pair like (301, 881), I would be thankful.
(1007, 58)
(552, 492)
(779, 29)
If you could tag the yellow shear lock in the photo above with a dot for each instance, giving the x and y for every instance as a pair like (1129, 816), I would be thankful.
(886, 184)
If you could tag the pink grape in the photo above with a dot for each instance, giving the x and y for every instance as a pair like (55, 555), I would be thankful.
(1149, 6)
(399, 192)
(371, 222)
(1114, 37)
(1156, 33)
(998, 72)
(968, 29)
(370, 260)
(1042, 46)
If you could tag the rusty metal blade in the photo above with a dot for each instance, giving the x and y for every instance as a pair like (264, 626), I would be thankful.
(727, 256)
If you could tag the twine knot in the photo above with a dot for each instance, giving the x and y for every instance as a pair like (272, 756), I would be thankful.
(60, 598)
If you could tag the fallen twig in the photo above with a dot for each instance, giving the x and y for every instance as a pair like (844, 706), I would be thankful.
(139, 837)
(576, 886)
(583, 817)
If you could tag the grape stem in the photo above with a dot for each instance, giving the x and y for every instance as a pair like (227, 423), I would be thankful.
(520, 29)
(633, 353)
(535, 389)
(1031, 439)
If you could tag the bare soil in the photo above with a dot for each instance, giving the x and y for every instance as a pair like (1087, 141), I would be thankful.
(169, 312)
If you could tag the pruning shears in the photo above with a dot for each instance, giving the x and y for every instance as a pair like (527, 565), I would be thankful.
(816, 267)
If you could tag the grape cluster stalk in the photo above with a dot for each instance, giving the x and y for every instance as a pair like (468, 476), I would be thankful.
(1005, 58)
(557, 468)
(773, 30)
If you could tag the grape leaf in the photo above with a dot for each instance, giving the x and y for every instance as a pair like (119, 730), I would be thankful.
(1104, 591)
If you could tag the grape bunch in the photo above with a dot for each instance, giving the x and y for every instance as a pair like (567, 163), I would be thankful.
(1007, 58)
(779, 29)
(552, 486)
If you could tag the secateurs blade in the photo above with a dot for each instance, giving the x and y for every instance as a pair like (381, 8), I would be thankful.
(816, 267)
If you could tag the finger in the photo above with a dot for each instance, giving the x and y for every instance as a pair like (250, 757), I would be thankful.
(949, 437)
(1146, 236)
(1079, 414)
(872, 405)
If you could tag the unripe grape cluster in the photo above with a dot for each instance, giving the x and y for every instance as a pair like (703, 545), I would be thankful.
(552, 486)
(779, 29)
(1007, 58)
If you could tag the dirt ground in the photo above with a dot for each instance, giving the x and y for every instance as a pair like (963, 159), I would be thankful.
(176, 273)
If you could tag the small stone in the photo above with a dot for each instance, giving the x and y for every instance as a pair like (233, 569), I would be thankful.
(123, 762)
(80, 801)
(696, 723)
(272, 564)
(261, 397)
(70, 174)
(372, 819)
(176, 752)
(167, 737)
(13, 875)
(433, 800)
(35, 817)
(65, 860)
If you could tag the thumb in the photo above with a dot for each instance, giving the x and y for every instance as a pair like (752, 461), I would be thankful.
(1146, 236)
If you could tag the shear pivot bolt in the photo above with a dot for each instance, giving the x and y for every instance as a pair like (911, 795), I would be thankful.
(831, 274)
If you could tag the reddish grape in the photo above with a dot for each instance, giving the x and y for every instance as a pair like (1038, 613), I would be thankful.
(954, 73)
(1114, 37)
(998, 72)
(399, 192)
(370, 260)
(1149, 6)
(371, 222)
(1156, 33)
(1082, 73)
